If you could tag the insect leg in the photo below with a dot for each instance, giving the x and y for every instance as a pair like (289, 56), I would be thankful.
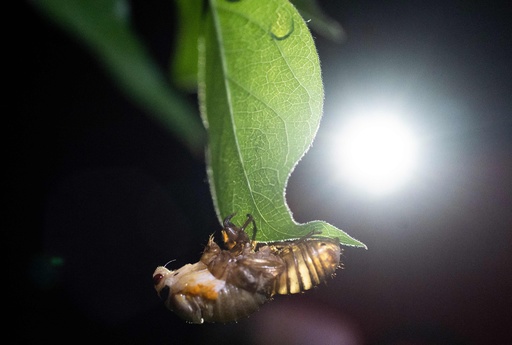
(309, 234)
(227, 221)
(250, 219)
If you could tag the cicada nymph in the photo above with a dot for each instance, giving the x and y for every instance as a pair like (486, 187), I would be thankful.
(226, 284)
(308, 261)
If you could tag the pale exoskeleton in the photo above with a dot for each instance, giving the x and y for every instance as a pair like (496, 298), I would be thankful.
(195, 295)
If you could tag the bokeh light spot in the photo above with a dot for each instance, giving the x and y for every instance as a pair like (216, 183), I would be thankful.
(376, 153)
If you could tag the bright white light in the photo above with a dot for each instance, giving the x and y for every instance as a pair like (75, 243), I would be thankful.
(377, 153)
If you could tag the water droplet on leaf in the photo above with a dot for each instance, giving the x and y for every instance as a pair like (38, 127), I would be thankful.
(283, 25)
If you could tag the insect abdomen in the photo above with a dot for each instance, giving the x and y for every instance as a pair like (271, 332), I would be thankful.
(231, 304)
(307, 263)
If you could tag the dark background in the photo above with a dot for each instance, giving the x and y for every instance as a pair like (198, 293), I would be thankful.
(99, 194)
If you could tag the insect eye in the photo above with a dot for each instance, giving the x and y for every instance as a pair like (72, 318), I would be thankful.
(157, 278)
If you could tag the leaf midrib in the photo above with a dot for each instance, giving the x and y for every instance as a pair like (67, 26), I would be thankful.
(222, 57)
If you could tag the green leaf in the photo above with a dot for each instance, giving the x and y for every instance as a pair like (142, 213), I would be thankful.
(261, 96)
(185, 55)
(104, 26)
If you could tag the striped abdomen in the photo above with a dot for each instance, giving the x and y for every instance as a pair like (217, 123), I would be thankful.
(308, 262)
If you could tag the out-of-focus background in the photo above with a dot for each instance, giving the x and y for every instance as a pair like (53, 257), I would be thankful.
(99, 194)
